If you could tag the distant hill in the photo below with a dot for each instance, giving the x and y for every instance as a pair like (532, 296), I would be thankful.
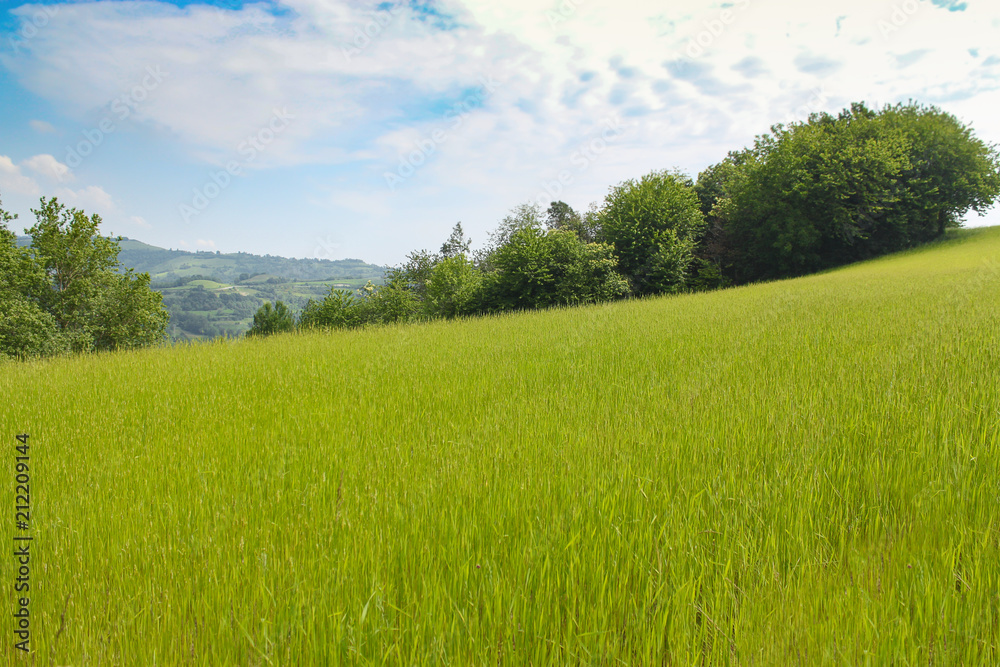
(168, 266)
(212, 294)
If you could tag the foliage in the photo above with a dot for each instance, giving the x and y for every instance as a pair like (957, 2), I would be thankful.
(949, 171)
(127, 313)
(387, 304)
(67, 291)
(338, 310)
(454, 288)
(270, 320)
(521, 217)
(537, 269)
(413, 275)
(653, 224)
(840, 189)
(456, 244)
(28, 331)
(372, 304)
(561, 215)
(77, 262)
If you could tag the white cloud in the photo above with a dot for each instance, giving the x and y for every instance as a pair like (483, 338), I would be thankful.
(48, 166)
(689, 82)
(91, 199)
(11, 179)
(202, 243)
(139, 221)
(42, 127)
(220, 74)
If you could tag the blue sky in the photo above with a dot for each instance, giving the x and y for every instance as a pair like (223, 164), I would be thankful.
(341, 128)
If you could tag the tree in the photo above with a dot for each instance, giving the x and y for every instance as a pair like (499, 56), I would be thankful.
(69, 288)
(413, 275)
(456, 244)
(387, 303)
(653, 224)
(28, 331)
(454, 287)
(270, 320)
(949, 171)
(833, 190)
(339, 310)
(25, 329)
(76, 261)
(561, 215)
(537, 268)
(523, 216)
(128, 314)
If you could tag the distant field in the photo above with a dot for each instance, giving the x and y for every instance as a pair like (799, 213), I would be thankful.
(197, 312)
(801, 472)
(207, 284)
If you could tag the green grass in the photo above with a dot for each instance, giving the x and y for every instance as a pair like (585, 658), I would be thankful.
(802, 472)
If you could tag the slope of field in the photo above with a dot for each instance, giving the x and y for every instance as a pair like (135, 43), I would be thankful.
(802, 472)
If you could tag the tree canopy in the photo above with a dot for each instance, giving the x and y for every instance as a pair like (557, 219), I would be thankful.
(653, 224)
(833, 190)
(67, 290)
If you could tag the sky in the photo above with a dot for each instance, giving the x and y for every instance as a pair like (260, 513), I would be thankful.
(339, 129)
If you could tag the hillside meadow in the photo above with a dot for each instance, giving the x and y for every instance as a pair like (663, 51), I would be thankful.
(799, 472)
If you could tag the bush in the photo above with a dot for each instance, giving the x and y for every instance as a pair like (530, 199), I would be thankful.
(654, 224)
(454, 287)
(271, 320)
(537, 269)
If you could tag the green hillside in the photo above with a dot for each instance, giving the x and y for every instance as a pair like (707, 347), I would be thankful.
(798, 472)
(233, 286)
(165, 266)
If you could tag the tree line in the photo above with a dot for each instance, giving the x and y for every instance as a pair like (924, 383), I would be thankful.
(803, 198)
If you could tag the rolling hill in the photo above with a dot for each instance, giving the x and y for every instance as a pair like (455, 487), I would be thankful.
(797, 472)
(210, 294)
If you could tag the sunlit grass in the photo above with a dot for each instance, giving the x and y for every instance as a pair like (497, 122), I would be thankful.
(802, 472)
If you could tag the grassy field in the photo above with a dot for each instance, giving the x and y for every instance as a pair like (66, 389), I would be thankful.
(802, 472)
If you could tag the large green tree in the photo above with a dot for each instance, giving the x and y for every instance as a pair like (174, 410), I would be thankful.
(68, 290)
(843, 188)
(654, 224)
(949, 170)
(536, 268)
(25, 329)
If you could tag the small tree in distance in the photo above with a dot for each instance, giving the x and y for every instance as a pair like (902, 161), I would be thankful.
(271, 320)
